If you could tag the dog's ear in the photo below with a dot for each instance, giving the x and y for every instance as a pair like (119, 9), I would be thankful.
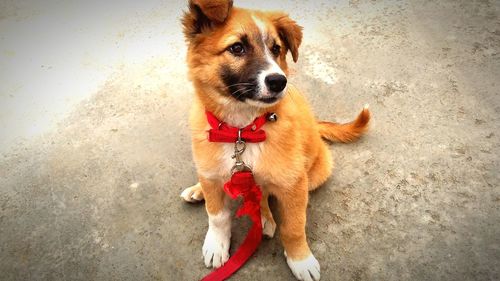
(214, 10)
(289, 31)
(203, 14)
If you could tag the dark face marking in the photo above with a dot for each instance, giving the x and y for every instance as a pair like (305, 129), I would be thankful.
(242, 83)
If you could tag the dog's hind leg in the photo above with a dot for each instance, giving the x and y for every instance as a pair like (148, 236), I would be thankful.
(321, 169)
(193, 194)
(268, 223)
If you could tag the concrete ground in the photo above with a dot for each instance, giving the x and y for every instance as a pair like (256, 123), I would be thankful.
(95, 147)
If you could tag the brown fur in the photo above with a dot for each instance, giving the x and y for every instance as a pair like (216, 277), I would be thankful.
(349, 132)
(294, 159)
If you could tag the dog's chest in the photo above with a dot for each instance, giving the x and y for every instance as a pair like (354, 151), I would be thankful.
(250, 156)
(219, 163)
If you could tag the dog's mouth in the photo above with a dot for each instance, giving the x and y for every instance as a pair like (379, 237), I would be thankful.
(270, 98)
(250, 92)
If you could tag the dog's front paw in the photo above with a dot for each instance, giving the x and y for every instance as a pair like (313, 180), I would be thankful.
(307, 269)
(216, 248)
(192, 194)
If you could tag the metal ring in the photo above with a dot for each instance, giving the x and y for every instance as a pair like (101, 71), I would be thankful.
(239, 134)
(239, 147)
(240, 167)
(220, 124)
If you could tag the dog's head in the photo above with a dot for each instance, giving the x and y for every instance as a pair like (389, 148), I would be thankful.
(239, 55)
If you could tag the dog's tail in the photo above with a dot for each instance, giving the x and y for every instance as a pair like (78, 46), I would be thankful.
(347, 132)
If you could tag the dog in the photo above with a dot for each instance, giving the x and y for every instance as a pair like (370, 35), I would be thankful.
(237, 62)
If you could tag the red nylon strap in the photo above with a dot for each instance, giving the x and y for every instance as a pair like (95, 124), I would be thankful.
(222, 132)
(242, 184)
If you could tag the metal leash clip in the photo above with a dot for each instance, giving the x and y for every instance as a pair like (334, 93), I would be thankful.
(239, 148)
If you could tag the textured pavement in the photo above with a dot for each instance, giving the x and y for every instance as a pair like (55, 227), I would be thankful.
(95, 146)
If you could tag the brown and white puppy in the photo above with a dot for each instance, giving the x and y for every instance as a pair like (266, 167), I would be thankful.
(237, 63)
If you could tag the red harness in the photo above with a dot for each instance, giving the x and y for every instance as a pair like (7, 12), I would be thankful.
(241, 183)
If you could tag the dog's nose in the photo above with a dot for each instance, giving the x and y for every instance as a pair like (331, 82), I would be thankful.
(275, 82)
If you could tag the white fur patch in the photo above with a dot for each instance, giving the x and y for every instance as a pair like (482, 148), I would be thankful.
(307, 269)
(192, 194)
(250, 156)
(262, 27)
(240, 115)
(273, 68)
(218, 239)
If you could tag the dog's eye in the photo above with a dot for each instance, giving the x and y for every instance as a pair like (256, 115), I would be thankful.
(276, 49)
(237, 49)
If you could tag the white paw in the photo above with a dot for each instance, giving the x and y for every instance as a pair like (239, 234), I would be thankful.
(268, 227)
(192, 194)
(216, 245)
(216, 248)
(307, 269)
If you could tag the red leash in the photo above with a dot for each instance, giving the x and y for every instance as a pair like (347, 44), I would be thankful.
(242, 184)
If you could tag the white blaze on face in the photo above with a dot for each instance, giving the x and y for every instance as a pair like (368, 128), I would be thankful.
(273, 67)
